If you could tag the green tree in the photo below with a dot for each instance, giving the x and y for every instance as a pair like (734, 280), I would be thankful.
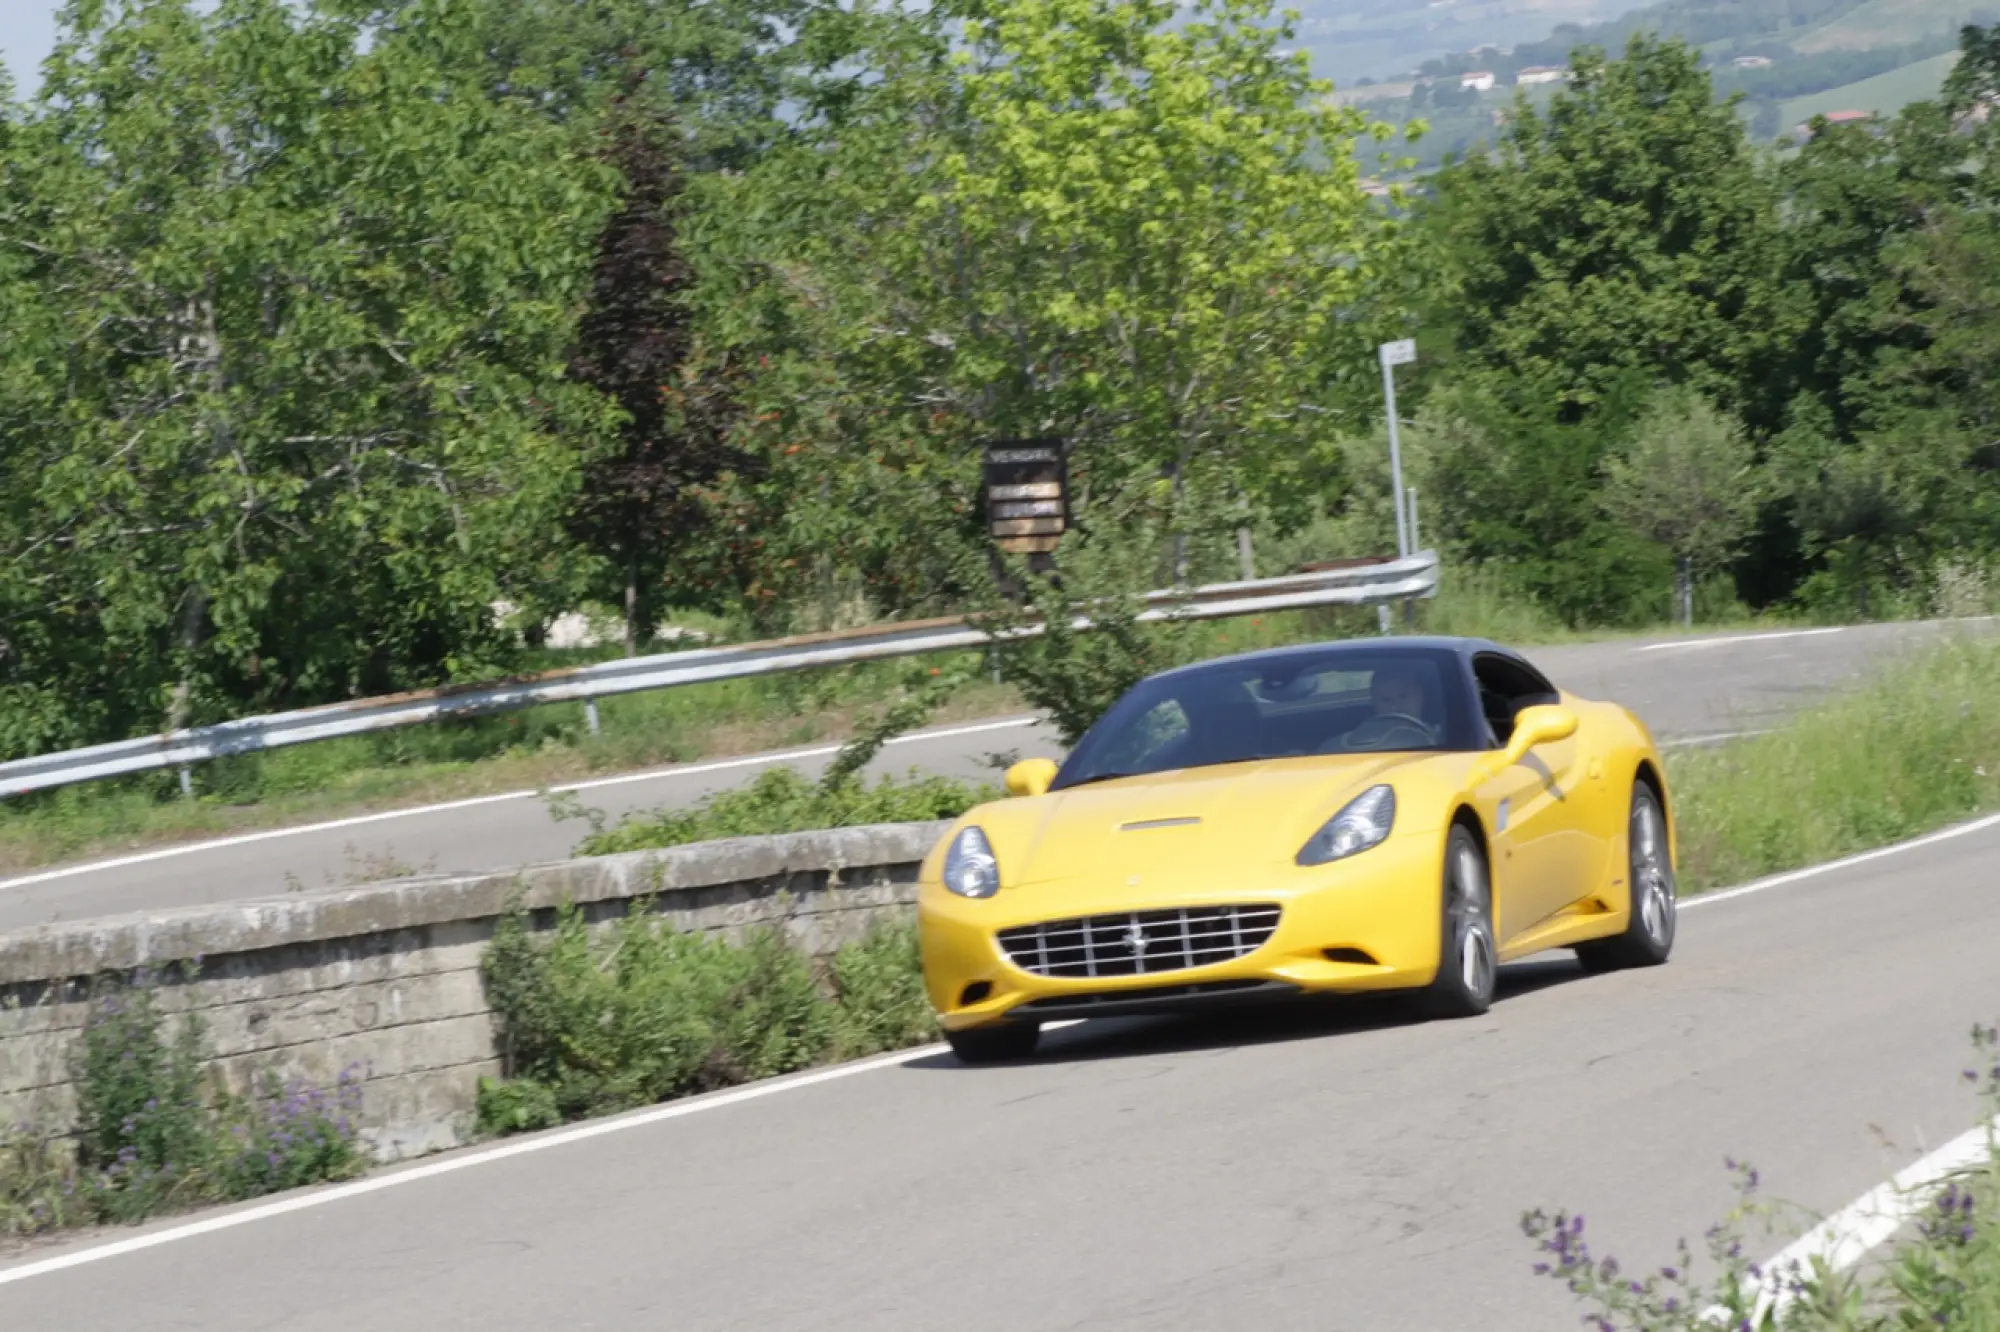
(287, 321)
(1888, 386)
(1688, 480)
(1627, 228)
(1083, 220)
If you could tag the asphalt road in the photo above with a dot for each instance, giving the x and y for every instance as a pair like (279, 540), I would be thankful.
(1336, 1168)
(1685, 688)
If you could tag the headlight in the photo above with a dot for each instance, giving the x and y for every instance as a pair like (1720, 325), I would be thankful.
(1364, 821)
(970, 868)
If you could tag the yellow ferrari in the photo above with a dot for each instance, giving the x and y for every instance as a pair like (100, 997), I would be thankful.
(1380, 814)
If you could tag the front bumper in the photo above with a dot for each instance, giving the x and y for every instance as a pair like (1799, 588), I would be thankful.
(1367, 923)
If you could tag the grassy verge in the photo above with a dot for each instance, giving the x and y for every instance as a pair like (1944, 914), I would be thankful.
(545, 746)
(1943, 1273)
(1908, 753)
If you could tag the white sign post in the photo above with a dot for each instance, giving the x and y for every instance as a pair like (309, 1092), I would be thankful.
(1393, 354)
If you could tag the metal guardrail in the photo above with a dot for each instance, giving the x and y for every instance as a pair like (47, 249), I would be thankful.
(1356, 585)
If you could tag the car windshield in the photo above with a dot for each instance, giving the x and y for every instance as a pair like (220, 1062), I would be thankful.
(1279, 705)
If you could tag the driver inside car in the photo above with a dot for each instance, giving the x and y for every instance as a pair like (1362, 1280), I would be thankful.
(1393, 693)
(1396, 699)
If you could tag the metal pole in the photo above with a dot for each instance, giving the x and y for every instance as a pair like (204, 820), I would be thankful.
(1416, 541)
(1395, 457)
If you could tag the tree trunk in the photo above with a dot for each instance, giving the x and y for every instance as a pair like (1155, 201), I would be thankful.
(194, 609)
(1684, 591)
(1246, 554)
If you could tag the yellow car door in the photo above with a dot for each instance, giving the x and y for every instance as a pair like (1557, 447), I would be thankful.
(1538, 856)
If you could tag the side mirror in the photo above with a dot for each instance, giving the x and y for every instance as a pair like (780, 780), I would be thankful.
(1030, 777)
(1540, 725)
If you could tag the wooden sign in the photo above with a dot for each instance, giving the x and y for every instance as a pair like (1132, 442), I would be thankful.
(1027, 494)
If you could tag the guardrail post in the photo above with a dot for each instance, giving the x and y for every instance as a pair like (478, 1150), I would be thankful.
(187, 784)
(590, 716)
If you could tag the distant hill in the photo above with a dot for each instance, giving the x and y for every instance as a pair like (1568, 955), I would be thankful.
(1788, 59)
(1376, 39)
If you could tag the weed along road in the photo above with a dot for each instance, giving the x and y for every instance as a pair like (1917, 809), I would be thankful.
(1329, 1169)
(1686, 689)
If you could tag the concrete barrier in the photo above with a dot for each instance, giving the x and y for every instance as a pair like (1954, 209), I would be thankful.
(384, 977)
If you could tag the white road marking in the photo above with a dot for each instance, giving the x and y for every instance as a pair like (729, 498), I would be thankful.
(1846, 1237)
(1862, 858)
(470, 802)
(1742, 638)
(675, 1110)
(1715, 739)
(452, 1164)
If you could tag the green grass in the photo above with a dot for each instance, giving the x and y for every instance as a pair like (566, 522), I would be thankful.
(1884, 94)
(1910, 752)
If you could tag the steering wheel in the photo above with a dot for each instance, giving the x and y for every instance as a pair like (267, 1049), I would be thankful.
(1374, 732)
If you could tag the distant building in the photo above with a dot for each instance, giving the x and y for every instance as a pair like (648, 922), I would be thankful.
(1752, 62)
(1540, 74)
(1479, 80)
(1804, 131)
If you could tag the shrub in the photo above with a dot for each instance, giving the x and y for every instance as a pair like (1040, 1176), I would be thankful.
(149, 1137)
(37, 1184)
(290, 1135)
(646, 1013)
(143, 1131)
(879, 982)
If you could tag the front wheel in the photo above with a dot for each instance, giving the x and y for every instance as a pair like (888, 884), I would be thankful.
(1649, 934)
(1468, 967)
(992, 1045)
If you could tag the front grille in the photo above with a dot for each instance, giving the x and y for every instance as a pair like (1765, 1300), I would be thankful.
(1139, 943)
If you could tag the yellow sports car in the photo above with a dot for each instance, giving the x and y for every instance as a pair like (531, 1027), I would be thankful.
(1379, 814)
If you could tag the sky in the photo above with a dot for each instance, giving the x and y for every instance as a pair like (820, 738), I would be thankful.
(27, 31)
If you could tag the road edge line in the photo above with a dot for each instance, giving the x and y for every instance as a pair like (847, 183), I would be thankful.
(1829, 866)
(1858, 1229)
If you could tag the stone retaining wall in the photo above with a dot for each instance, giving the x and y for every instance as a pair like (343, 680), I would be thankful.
(384, 978)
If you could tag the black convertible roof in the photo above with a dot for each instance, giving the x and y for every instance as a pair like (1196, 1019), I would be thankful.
(1463, 648)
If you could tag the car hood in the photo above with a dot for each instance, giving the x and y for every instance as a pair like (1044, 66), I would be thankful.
(1195, 821)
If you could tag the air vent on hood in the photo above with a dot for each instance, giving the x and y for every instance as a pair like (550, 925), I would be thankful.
(1159, 823)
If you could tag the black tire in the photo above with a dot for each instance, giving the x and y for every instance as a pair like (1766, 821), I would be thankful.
(1648, 937)
(1468, 958)
(992, 1045)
